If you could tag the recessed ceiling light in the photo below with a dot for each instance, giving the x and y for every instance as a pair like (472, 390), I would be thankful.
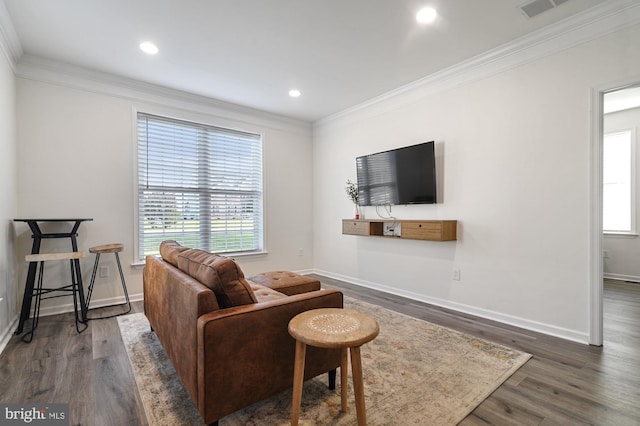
(426, 15)
(149, 48)
(294, 93)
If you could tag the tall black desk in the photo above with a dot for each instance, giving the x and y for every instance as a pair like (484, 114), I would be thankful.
(38, 235)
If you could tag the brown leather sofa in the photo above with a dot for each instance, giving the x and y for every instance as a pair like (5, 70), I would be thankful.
(226, 335)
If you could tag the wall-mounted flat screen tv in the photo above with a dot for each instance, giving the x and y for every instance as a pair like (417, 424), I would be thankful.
(399, 176)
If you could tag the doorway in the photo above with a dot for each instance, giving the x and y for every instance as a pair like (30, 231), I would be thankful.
(616, 116)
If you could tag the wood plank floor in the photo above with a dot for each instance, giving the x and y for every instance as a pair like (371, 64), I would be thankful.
(565, 383)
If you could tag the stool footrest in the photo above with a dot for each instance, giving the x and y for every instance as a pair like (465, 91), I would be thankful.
(43, 257)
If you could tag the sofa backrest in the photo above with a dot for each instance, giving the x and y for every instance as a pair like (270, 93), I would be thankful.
(219, 273)
(169, 250)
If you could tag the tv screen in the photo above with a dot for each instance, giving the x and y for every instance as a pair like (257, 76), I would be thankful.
(399, 176)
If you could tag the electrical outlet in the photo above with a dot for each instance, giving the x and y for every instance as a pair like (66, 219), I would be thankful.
(300, 252)
(456, 274)
(605, 254)
(103, 272)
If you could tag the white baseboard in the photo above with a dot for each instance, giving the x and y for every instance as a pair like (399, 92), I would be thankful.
(7, 333)
(61, 309)
(621, 277)
(100, 303)
(563, 333)
(95, 303)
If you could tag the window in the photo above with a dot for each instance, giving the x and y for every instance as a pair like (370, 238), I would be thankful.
(618, 178)
(199, 185)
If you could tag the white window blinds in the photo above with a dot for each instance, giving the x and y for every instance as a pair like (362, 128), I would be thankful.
(199, 185)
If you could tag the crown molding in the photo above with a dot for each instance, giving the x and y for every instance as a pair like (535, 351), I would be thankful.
(593, 23)
(9, 41)
(54, 72)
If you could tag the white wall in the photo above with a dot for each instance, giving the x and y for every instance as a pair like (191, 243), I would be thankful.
(76, 159)
(513, 168)
(623, 251)
(8, 199)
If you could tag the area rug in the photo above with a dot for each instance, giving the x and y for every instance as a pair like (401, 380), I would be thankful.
(415, 373)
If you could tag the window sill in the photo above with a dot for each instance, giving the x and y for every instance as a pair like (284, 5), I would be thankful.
(140, 264)
(610, 234)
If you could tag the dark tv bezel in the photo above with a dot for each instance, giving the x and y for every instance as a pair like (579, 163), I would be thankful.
(433, 177)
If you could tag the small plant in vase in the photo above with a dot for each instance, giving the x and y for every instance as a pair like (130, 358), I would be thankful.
(352, 192)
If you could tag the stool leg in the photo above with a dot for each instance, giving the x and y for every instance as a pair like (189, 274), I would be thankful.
(298, 379)
(124, 285)
(344, 379)
(358, 386)
(28, 337)
(93, 279)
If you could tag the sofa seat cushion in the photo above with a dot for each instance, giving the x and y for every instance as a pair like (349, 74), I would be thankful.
(286, 282)
(265, 294)
(221, 274)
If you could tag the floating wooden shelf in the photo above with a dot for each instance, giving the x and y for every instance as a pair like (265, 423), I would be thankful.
(429, 230)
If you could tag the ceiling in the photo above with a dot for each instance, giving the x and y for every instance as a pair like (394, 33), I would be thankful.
(338, 53)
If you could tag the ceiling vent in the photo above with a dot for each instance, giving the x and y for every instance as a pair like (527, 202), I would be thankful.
(536, 7)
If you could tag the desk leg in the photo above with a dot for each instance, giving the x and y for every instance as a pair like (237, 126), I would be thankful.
(76, 264)
(83, 307)
(26, 298)
(358, 386)
(31, 279)
(298, 380)
(344, 379)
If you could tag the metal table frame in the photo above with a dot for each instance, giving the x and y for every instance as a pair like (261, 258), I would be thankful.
(38, 236)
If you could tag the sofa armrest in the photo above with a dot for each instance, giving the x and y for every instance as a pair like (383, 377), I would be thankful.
(173, 301)
(245, 353)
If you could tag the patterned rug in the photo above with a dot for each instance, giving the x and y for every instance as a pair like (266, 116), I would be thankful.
(415, 372)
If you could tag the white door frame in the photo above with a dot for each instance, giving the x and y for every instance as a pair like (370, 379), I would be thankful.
(596, 268)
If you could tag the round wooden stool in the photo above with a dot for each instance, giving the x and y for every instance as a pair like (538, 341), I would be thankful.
(104, 249)
(332, 328)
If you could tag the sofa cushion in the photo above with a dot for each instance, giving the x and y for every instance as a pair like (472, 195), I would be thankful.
(265, 294)
(286, 282)
(221, 274)
(169, 250)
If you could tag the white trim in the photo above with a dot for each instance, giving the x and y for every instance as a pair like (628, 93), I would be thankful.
(538, 327)
(612, 234)
(595, 233)
(141, 264)
(135, 261)
(595, 250)
(95, 303)
(598, 21)
(9, 41)
(110, 301)
(622, 277)
(53, 72)
(7, 333)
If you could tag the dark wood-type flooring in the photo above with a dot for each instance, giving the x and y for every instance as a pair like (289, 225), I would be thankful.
(565, 383)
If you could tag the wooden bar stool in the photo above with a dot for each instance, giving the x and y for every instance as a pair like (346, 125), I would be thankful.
(103, 249)
(75, 288)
